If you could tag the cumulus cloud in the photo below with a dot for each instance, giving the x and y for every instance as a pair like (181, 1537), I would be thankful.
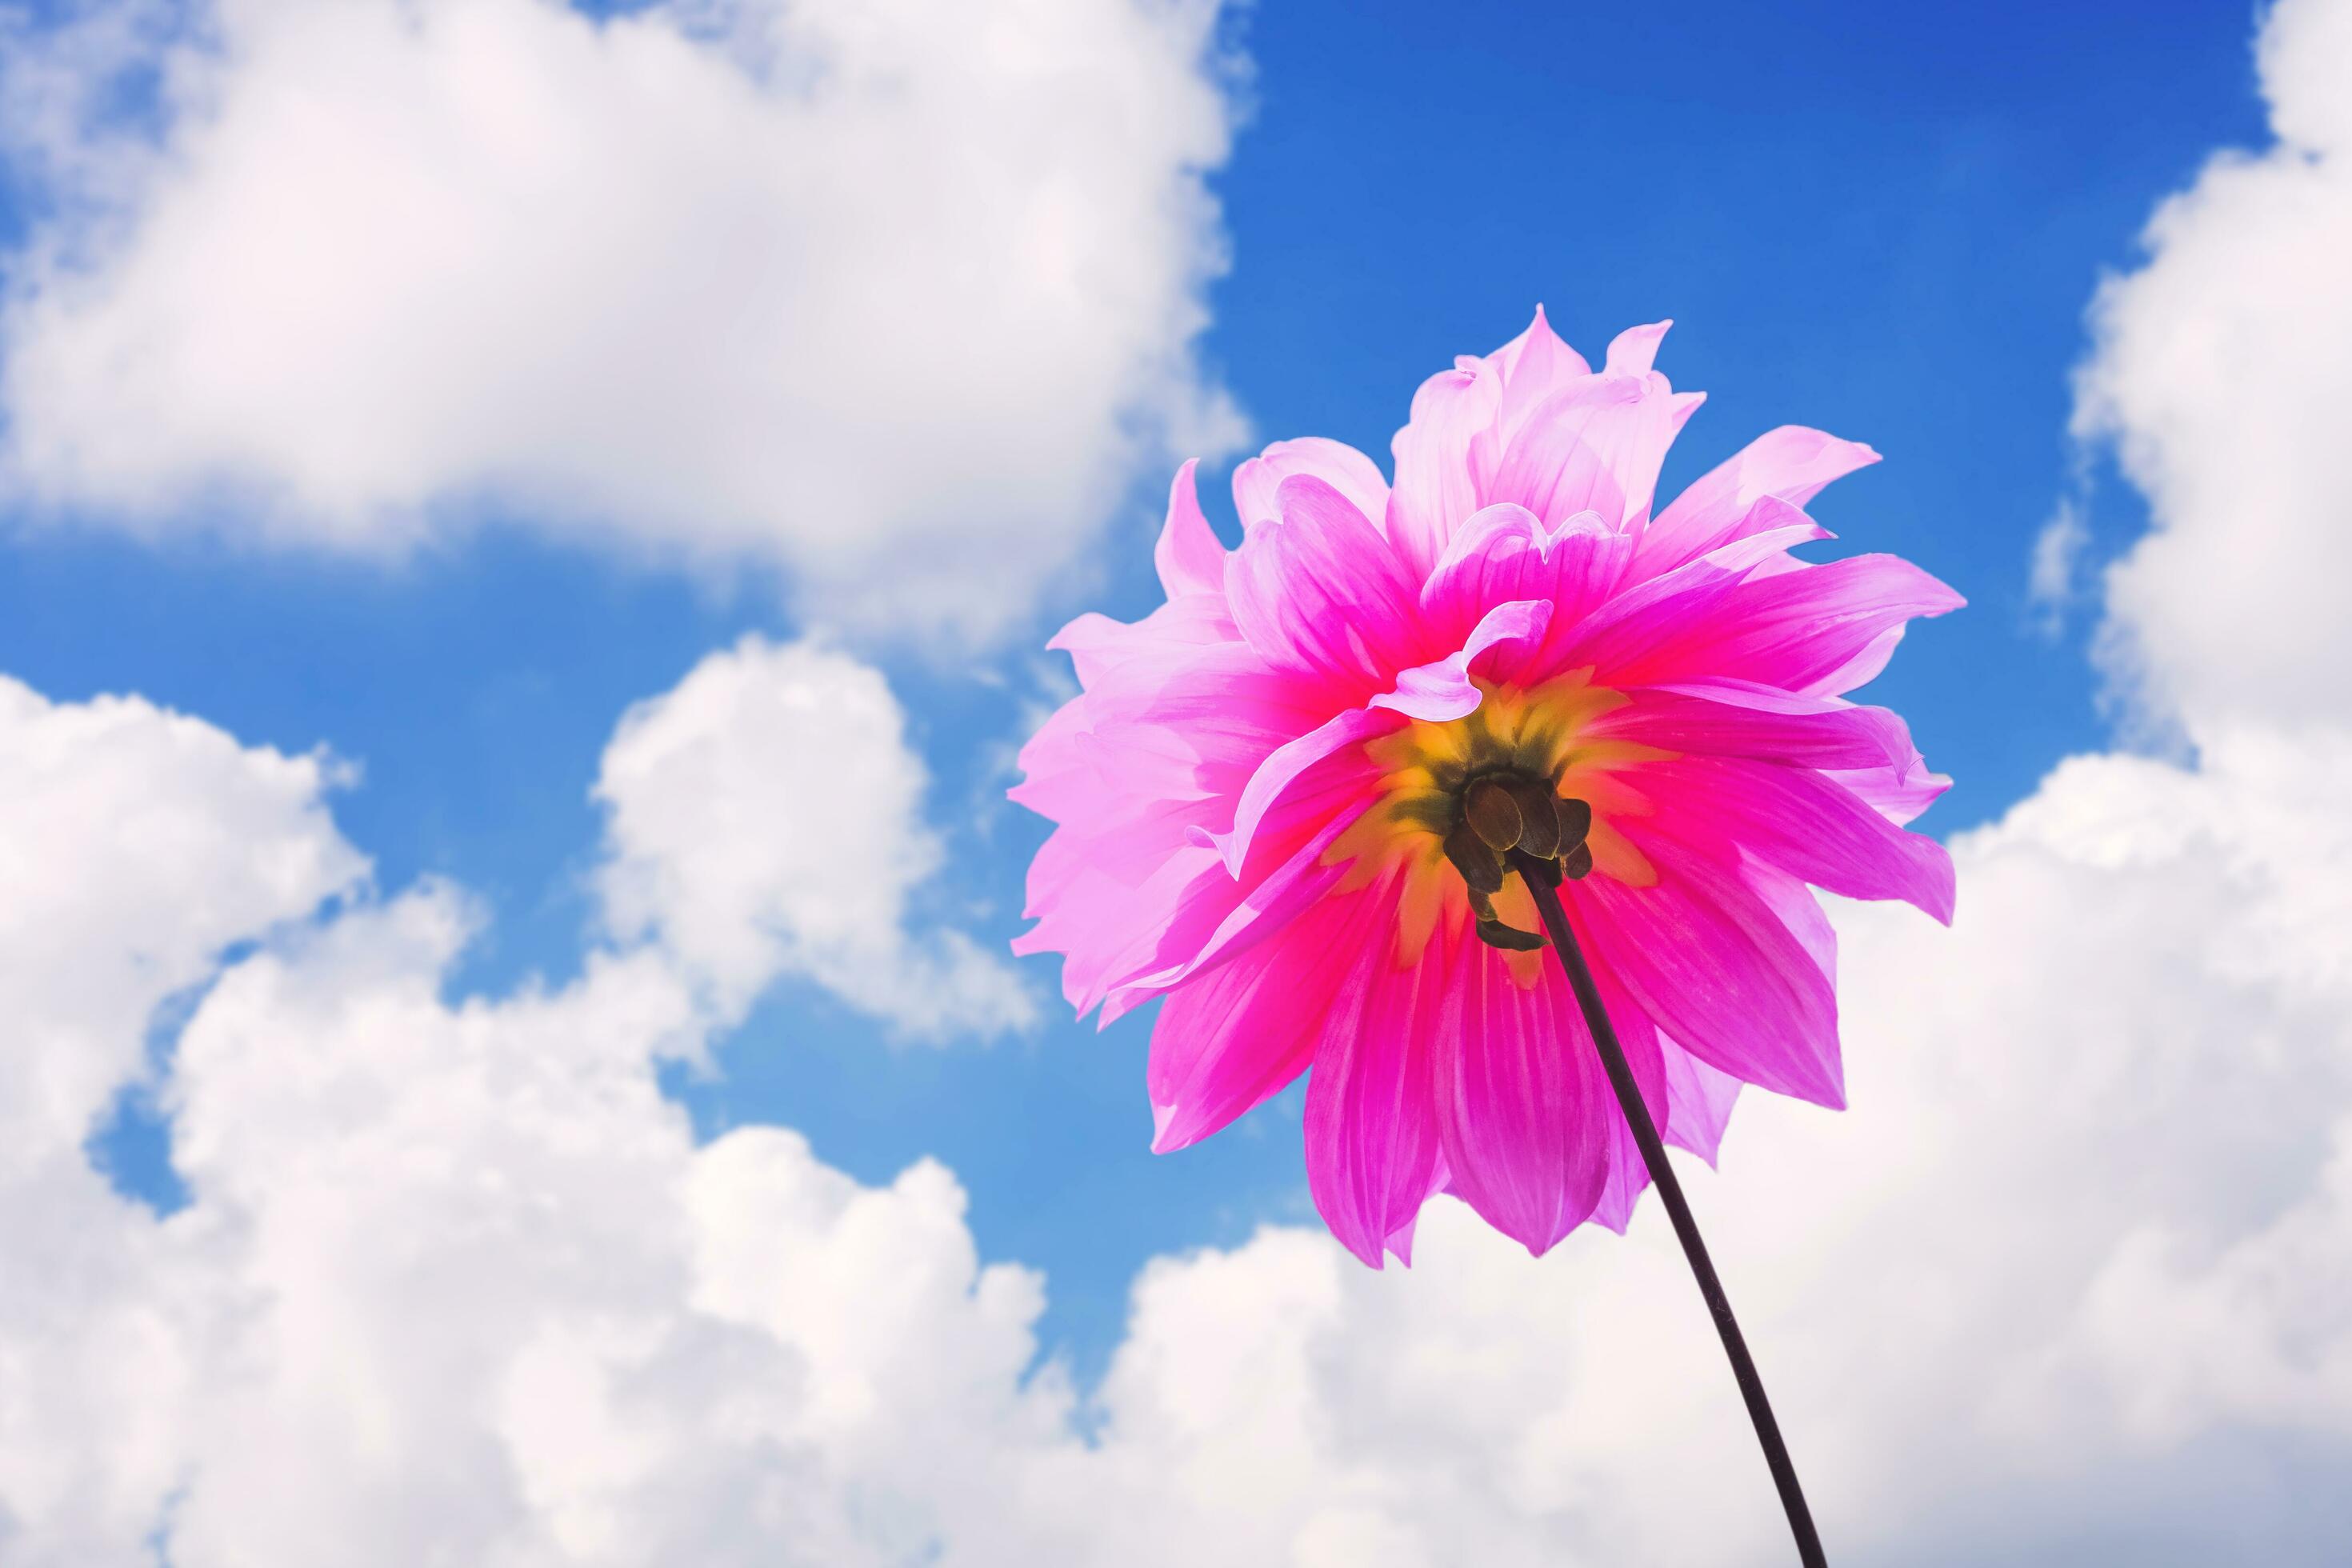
(456, 1281)
(765, 817)
(893, 296)
(2054, 567)
(453, 1280)
(2222, 370)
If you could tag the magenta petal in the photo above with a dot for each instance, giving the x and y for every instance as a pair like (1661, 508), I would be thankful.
(1629, 1173)
(1237, 1035)
(1657, 614)
(1807, 825)
(1505, 553)
(1257, 483)
(1523, 1107)
(1372, 1139)
(1444, 690)
(1823, 628)
(1220, 918)
(1322, 595)
(1293, 771)
(1718, 969)
(1732, 719)
(1327, 758)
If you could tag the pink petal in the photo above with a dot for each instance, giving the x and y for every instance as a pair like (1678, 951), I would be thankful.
(1327, 761)
(1718, 968)
(1738, 718)
(1321, 594)
(1657, 614)
(1224, 917)
(1898, 793)
(1435, 492)
(1373, 1155)
(1534, 363)
(1237, 1035)
(1634, 351)
(1789, 465)
(1531, 368)
(1257, 482)
(1701, 1100)
(1823, 628)
(1505, 553)
(1595, 444)
(1443, 691)
(1522, 1105)
(1189, 556)
(1629, 1173)
(1804, 823)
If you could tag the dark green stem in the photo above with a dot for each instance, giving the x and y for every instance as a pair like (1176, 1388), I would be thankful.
(1670, 1192)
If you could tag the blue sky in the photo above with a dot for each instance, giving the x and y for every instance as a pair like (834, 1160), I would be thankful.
(1888, 222)
(1870, 220)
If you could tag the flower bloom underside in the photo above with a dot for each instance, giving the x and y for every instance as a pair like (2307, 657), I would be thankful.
(1256, 788)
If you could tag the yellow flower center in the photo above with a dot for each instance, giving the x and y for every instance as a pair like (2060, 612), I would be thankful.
(1536, 733)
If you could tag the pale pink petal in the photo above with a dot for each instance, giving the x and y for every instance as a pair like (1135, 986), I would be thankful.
(1322, 595)
(1898, 793)
(1789, 465)
(1635, 349)
(1595, 444)
(1531, 368)
(1701, 1100)
(1257, 482)
(1190, 558)
(1435, 492)
(1716, 968)
(1535, 362)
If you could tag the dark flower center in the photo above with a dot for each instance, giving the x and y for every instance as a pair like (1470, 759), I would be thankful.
(1508, 820)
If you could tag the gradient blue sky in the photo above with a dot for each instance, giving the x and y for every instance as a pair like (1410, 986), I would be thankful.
(1885, 221)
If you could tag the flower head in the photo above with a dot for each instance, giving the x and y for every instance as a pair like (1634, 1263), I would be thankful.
(1283, 796)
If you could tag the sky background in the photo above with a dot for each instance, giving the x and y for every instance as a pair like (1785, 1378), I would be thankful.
(1886, 222)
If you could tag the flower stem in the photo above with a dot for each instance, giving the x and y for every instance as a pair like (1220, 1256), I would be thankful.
(1654, 1155)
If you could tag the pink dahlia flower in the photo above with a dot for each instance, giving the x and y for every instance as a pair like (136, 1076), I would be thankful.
(1265, 791)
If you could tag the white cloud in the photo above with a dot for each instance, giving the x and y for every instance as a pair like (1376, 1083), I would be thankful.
(2056, 563)
(765, 817)
(2223, 370)
(456, 1280)
(894, 296)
